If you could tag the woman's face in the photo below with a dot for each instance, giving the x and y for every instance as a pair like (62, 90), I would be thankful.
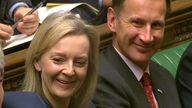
(64, 67)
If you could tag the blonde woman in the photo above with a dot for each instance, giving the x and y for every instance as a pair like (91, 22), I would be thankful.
(61, 62)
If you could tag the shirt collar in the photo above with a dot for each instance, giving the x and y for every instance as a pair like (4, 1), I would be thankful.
(137, 71)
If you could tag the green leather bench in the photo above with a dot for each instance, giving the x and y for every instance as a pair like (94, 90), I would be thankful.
(169, 58)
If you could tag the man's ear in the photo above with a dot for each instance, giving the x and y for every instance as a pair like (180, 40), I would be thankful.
(37, 66)
(111, 19)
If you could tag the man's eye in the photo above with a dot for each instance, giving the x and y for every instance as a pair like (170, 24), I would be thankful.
(1, 79)
(137, 23)
(157, 26)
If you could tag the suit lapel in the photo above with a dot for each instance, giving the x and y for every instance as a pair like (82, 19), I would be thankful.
(128, 76)
(157, 85)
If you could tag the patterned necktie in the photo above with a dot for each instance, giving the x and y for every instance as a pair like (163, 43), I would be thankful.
(147, 85)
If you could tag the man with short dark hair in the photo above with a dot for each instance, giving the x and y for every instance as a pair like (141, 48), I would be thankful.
(127, 76)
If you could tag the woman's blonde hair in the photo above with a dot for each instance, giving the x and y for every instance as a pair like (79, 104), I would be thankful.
(55, 27)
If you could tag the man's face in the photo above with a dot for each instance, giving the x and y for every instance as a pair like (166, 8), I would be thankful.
(138, 29)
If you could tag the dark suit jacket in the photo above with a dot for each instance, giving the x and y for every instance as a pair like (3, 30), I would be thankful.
(119, 88)
(5, 5)
(23, 100)
(184, 78)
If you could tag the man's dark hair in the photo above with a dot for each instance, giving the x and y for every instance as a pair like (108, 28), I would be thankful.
(118, 4)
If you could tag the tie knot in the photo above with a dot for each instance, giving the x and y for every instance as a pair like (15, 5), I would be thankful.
(146, 80)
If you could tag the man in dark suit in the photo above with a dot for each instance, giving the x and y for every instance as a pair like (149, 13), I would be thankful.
(138, 29)
(184, 78)
(13, 10)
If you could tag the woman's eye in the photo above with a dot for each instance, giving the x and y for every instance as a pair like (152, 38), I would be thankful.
(80, 63)
(58, 60)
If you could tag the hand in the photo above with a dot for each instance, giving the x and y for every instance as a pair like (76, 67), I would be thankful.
(29, 24)
(5, 31)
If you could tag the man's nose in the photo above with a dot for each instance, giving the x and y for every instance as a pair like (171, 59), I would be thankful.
(147, 34)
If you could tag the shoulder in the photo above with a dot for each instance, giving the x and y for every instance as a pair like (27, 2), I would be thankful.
(158, 70)
(23, 100)
(91, 105)
(188, 52)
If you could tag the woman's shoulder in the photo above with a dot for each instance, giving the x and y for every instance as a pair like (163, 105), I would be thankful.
(23, 100)
(92, 105)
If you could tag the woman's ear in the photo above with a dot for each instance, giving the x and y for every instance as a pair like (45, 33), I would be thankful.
(37, 66)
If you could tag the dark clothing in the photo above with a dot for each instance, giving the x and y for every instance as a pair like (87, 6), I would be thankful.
(27, 100)
(5, 5)
(119, 88)
(184, 78)
(91, 18)
(94, 3)
(23, 100)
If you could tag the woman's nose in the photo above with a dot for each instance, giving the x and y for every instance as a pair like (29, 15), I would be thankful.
(68, 69)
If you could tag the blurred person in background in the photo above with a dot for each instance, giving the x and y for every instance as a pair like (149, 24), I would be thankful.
(14, 10)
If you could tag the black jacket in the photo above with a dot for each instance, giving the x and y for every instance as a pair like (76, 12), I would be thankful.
(5, 5)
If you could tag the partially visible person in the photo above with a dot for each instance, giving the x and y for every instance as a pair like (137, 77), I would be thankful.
(5, 31)
(13, 10)
(184, 78)
(17, 99)
(61, 62)
(127, 76)
(95, 3)
(101, 5)
(2, 64)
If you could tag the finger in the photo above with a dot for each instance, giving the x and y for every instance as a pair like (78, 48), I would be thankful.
(5, 31)
(28, 25)
(18, 15)
(31, 18)
(27, 28)
(4, 35)
(28, 31)
(21, 12)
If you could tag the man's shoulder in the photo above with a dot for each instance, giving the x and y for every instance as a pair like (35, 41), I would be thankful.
(106, 59)
(160, 71)
(23, 100)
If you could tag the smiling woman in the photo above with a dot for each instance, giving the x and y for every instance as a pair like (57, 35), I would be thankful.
(61, 62)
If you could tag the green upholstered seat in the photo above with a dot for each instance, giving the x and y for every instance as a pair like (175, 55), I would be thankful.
(169, 58)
